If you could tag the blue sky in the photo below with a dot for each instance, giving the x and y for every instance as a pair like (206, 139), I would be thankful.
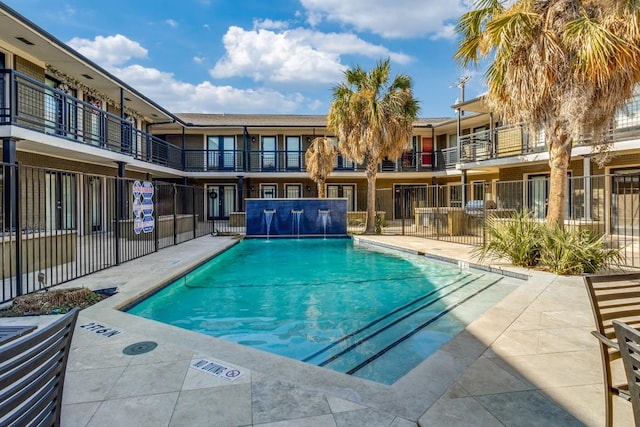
(258, 56)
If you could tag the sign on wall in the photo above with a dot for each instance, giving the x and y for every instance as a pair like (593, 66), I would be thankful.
(143, 220)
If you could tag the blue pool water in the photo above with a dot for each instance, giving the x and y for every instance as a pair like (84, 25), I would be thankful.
(356, 309)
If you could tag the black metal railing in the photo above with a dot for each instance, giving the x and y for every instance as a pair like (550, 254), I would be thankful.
(606, 205)
(513, 140)
(60, 225)
(36, 106)
(290, 161)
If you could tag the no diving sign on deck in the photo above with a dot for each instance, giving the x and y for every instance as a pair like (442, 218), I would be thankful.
(218, 369)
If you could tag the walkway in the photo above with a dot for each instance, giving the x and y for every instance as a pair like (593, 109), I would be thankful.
(529, 360)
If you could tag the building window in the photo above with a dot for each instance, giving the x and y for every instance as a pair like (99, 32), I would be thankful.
(347, 191)
(268, 191)
(293, 191)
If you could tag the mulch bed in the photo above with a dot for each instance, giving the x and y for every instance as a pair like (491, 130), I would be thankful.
(58, 301)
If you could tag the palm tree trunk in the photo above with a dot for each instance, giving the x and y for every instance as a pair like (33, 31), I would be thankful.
(559, 158)
(321, 194)
(372, 172)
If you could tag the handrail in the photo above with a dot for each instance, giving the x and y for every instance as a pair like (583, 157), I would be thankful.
(34, 105)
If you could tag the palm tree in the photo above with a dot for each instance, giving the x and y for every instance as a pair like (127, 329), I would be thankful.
(559, 66)
(320, 159)
(372, 116)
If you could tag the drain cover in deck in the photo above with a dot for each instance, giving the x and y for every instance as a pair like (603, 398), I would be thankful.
(139, 348)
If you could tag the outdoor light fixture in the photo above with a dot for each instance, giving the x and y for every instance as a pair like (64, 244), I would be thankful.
(308, 188)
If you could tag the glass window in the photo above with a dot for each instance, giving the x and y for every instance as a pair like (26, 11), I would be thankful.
(347, 191)
(293, 191)
(268, 191)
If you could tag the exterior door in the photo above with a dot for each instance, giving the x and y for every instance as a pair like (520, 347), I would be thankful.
(337, 191)
(222, 201)
(293, 152)
(61, 201)
(269, 146)
(221, 153)
(4, 114)
(625, 202)
(53, 105)
(538, 195)
(427, 151)
(95, 203)
(406, 198)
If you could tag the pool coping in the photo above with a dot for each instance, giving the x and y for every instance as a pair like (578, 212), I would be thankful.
(409, 397)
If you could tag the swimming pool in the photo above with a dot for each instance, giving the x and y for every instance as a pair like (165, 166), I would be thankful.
(362, 310)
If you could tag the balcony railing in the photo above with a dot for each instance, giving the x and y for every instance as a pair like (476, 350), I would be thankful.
(287, 161)
(31, 104)
(513, 140)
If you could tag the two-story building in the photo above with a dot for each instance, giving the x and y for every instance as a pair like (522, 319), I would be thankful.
(77, 141)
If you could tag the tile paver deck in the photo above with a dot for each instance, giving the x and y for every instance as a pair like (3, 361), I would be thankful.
(528, 360)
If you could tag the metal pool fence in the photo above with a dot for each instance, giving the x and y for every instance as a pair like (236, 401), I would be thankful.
(60, 225)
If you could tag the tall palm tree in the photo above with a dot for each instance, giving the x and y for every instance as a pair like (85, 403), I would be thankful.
(320, 159)
(560, 66)
(372, 116)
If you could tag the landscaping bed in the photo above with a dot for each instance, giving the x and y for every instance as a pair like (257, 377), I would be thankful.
(58, 301)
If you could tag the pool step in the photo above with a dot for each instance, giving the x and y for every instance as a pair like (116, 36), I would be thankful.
(358, 346)
(352, 337)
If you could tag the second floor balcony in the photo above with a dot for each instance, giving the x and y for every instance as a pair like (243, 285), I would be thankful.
(31, 104)
(290, 161)
(514, 140)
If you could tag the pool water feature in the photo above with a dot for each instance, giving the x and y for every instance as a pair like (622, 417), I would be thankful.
(370, 312)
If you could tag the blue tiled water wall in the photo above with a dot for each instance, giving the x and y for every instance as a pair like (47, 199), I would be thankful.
(296, 217)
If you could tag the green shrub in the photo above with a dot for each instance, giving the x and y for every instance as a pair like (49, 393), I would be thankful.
(575, 252)
(517, 238)
(527, 242)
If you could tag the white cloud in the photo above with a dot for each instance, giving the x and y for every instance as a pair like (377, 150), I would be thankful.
(269, 24)
(172, 23)
(113, 52)
(397, 19)
(205, 97)
(110, 50)
(198, 59)
(293, 56)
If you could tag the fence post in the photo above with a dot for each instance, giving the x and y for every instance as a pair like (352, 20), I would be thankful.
(18, 217)
(193, 211)
(175, 216)
(156, 235)
(404, 208)
(118, 205)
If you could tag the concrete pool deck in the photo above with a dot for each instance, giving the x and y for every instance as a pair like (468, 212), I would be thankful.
(528, 360)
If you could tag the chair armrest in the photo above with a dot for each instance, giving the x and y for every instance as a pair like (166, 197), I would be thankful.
(604, 340)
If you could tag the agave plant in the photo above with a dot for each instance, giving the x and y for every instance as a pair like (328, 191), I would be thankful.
(517, 238)
(569, 252)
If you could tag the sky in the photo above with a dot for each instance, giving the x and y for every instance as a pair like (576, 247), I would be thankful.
(263, 56)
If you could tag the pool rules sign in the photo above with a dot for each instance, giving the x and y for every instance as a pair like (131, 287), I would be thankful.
(143, 207)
